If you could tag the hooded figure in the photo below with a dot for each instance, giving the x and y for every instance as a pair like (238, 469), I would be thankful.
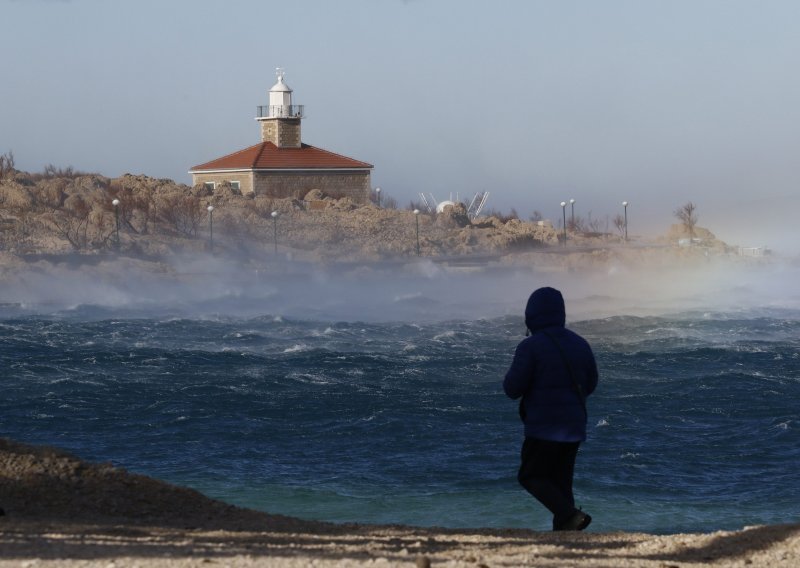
(553, 372)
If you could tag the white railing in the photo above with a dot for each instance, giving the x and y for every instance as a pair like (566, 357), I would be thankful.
(280, 111)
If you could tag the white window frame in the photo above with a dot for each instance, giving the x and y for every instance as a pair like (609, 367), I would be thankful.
(235, 184)
(212, 185)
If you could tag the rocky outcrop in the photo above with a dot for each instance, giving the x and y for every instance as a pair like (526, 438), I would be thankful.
(157, 217)
(453, 217)
(680, 235)
(42, 482)
(45, 214)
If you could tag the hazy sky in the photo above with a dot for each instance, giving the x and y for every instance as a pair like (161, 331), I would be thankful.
(654, 102)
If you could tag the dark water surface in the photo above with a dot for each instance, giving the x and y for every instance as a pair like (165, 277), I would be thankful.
(694, 426)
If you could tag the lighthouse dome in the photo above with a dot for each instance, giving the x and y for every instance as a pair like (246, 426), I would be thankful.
(280, 86)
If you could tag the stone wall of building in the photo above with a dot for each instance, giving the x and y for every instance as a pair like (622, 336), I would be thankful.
(283, 132)
(245, 179)
(353, 184)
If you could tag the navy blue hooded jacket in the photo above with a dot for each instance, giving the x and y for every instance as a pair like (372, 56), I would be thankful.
(551, 407)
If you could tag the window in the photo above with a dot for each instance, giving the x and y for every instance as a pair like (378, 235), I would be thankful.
(236, 185)
(210, 185)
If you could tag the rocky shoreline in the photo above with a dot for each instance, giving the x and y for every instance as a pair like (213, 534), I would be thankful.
(63, 511)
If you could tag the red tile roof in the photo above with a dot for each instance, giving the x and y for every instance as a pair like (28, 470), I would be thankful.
(267, 156)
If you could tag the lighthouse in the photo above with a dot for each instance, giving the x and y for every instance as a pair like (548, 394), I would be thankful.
(280, 119)
(281, 165)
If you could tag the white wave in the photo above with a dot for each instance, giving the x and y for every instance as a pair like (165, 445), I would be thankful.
(672, 330)
(327, 331)
(297, 348)
(310, 378)
(444, 335)
(82, 381)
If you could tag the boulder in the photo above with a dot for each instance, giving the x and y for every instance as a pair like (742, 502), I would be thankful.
(314, 195)
(453, 216)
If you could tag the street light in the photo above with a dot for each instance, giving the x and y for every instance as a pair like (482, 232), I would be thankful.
(378, 196)
(564, 211)
(115, 203)
(625, 207)
(210, 210)
(416, 218)
(572, 206)
(274, 216)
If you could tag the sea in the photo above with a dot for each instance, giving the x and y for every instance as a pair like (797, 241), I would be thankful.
(374, 395)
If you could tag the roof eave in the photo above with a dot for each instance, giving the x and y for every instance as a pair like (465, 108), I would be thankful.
(218, 170)
(313, 169)
(319, 169)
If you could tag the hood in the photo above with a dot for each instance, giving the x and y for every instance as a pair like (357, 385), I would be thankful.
(545, 309)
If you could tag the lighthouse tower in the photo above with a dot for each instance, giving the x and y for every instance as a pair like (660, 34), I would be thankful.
(280, 119)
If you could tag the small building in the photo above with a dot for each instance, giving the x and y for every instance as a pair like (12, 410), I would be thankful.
(281, 165)
(753, 251)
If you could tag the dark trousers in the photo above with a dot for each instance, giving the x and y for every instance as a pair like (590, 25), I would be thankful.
(546, 473)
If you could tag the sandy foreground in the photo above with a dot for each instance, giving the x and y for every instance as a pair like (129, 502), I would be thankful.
(29, 543)
(63, 511)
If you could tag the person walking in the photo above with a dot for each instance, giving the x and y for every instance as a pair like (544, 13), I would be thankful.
(553, 371)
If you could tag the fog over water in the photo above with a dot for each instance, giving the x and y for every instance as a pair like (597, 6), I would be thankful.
(418, 290)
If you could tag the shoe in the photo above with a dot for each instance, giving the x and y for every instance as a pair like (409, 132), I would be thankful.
(577, 522)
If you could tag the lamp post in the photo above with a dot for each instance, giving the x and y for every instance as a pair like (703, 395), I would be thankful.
(210, 210)
(572, 207)
(625, 208)
(378, 196)
(115, 203)
(416, 218)
(274, 216)
(564, 212)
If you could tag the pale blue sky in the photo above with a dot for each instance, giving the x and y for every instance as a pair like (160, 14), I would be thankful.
(654, 102)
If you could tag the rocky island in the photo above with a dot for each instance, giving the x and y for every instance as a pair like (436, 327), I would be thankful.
(61, 212)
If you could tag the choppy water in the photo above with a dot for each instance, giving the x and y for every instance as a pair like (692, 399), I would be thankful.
(312, 413)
